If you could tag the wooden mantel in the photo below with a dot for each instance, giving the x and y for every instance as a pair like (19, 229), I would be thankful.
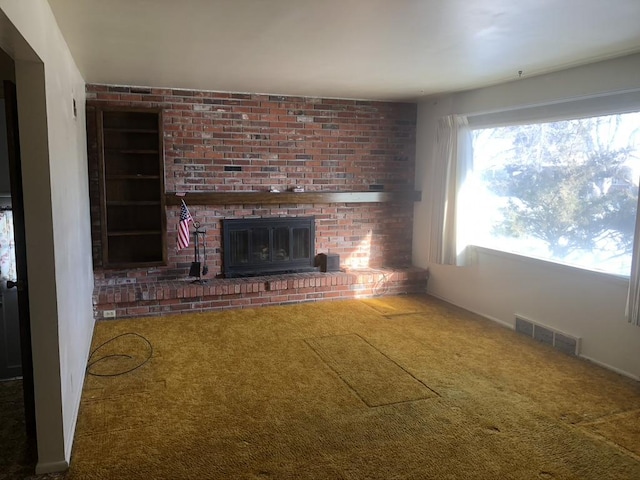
(252, 197)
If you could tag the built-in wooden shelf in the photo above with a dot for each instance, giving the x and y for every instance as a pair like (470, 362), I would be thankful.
(132, 203)
(245, 198)
(131, 233)
(132, 177)
(131, 182)
(133, 151)
(153, 131)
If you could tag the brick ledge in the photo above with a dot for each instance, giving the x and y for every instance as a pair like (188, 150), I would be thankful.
(165, 297)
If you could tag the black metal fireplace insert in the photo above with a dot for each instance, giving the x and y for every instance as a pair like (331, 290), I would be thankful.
(266, 246)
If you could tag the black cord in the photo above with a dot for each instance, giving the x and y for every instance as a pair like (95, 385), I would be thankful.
(92, 363)
(382, 284)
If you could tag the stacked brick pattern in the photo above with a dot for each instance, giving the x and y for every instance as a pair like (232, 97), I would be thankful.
(227, 142)
(172, 297)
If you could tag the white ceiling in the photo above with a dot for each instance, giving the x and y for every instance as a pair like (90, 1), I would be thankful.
(366, 49)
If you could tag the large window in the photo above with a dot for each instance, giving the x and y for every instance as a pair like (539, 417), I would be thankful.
(565, 191)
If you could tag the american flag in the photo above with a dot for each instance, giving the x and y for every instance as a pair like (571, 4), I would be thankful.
(183, 227)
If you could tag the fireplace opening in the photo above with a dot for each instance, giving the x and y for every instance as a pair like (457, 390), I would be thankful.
(267, 246)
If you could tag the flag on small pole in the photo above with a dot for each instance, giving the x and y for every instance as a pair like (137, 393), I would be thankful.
(183, 227)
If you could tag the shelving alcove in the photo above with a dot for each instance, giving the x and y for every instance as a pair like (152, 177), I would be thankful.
(131, 179)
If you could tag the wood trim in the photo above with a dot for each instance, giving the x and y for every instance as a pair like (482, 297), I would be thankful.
(128, 109)
(163, 216)
(104, 242)
(24, 318)
(155, 154)
(244, 198)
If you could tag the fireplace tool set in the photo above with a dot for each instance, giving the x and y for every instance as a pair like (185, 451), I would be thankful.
(199, 267)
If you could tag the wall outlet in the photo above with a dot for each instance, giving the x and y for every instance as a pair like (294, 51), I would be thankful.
(109, 314)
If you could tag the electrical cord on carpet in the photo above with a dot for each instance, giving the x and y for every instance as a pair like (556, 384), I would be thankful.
(382, 285)
(122, 355)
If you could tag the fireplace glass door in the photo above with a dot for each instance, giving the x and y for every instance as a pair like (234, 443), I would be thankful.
(301, 243)
(262, 246)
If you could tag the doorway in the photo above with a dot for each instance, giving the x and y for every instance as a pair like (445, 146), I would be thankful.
(10, 359)
(16, 363)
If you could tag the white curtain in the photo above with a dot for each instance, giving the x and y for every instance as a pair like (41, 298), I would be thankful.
(7, 248)
(452, 162)
(633, 297)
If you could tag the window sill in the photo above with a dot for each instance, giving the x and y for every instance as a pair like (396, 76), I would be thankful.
(545, 263)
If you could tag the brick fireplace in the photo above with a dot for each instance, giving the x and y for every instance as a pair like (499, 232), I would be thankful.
(232, 143)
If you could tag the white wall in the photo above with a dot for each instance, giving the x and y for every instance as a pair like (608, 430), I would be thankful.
(497, 285)
(56, 197)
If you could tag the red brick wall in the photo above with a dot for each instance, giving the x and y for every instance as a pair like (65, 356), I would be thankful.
(229, 141)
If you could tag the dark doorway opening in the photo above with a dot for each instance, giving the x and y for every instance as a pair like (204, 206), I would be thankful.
(17, 351)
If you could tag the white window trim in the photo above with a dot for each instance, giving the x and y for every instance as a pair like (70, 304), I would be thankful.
(614, 278)
(593, 106)
(601, 105)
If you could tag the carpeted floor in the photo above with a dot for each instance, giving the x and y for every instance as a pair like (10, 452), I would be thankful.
(386, 388)
(14, 462)
(17, 462)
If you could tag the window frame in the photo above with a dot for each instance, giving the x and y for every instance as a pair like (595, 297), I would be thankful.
(563, 110)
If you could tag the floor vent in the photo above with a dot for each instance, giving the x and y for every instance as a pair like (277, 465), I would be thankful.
(559, 340)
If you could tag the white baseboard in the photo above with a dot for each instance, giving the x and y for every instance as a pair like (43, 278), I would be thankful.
(508, 325)
(512, 327)
(609, 367)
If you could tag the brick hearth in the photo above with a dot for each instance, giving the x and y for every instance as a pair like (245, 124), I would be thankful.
(237, 143)
(161, 298)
